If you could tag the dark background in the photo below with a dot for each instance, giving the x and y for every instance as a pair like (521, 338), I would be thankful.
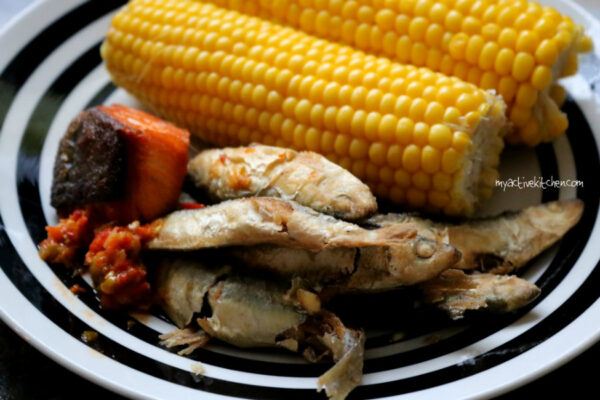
(27, 374)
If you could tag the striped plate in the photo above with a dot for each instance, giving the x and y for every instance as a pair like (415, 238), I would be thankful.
(51, 69)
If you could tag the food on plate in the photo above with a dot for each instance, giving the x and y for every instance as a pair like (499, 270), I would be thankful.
(117, 159)
(517, 48)
(247, 311)
(305, 177)
(258, 271)
(497, 245)
(114, 261)
(266, 220)
(416, 137)
(503, 243)
(114, 165)
(66, 240)
(91, 163)
(456, 291)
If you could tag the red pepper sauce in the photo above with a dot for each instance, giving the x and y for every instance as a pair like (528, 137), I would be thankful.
(185, 205)
(114, 260)
(67, 238)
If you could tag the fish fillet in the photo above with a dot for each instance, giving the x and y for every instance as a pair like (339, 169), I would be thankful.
(265, 220)
(371, 268)
(305, 177)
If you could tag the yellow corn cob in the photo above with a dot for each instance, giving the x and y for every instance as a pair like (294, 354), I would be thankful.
(416, 137)
(515, 47)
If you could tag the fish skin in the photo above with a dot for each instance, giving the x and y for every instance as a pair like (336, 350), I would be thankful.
(305, 177)
(499, 244)
(389, 267)
(455, 292)
(248, 311)
(181, 288)
(360, 269)
(266, 220)
(315, 266)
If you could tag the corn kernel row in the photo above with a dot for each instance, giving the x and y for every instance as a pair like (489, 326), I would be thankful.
(515, 47)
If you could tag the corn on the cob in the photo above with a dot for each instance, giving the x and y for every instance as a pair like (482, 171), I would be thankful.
(416, 137)
(515, 47)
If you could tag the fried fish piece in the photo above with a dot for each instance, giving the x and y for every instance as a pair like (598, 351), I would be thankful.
(247, 311)
(498, 244)
(456, 292)
(265, 220)
(305, 177)
(182, 287)
(360, 269)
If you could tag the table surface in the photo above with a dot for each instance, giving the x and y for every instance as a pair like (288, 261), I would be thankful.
(25, 373)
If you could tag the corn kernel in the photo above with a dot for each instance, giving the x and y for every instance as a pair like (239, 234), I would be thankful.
(473, 50)
(421, 133)
(520, 116)
(450, 161)
(503, 64)
(458, 46)
(421, 181)
(453, 21)
(541, 77)
(508, 38)
(385, 19)
(488, 55)
(402, 178)
(523, 66)
(558, 94)
(452, 116)
(507, 88)
(411, 158)
(378, 153)
(526, 96)
(358, 148)
(387, 127)
(571, 65)
(430, 159)
(440, 136)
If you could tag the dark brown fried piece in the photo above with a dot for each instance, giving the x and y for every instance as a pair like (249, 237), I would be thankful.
(90, 163)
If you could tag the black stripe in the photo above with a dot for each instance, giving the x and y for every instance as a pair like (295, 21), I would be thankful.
(102, 95)
(32, 55)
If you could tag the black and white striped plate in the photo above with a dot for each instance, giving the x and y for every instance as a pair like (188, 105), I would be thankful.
(51, 69)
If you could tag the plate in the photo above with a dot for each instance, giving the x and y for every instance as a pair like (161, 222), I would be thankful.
(51, 70)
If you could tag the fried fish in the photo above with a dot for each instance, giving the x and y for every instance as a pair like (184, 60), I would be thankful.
(247, 311)
(265, 220)
(305, 177)
(498, 244)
